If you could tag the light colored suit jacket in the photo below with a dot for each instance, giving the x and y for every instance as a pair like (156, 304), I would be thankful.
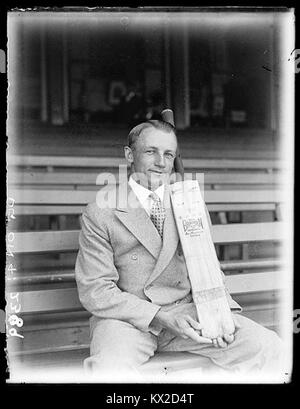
(123, 270)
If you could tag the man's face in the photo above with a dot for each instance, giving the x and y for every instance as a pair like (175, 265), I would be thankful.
(153, 157)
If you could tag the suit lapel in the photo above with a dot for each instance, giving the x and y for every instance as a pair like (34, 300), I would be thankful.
(136, 220)
(170, 241)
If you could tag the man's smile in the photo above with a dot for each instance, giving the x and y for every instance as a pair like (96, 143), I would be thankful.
(157, 172)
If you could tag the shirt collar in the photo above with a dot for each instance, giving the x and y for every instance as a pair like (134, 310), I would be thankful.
(143, 193)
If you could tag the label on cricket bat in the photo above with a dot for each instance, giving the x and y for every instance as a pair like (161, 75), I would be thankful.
(203, 267)
(192, 226)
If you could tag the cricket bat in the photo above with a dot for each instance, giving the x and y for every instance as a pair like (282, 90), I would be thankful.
(208, 290)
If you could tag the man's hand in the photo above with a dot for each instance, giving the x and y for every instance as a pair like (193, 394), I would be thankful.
(181, 325)
(222, 342)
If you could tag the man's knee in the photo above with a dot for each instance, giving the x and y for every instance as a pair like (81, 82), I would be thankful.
(262, 339)
(258, 341)
(118, 344)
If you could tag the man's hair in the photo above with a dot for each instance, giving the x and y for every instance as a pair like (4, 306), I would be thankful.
(139, 129)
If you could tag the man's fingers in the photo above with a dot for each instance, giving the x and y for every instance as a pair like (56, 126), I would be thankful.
(221, 342)
(229, 338)
(195, 324)
(191, 333)
(236, 322)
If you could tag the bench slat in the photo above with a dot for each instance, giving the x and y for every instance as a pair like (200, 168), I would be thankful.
(46, 197)
(67, 299)
(65, 161)
(89, 178)
(34, 210)
(73, 197)
(45, 241)
(67, 240)
(98, 162)
(67, 275)
(248, 232)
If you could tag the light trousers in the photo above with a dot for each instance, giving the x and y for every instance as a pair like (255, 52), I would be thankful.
(117, 346)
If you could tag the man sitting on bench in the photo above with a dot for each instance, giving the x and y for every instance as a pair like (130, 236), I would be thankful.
(132, 277)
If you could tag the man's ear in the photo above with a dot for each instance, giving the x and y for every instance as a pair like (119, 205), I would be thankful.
(128, 154)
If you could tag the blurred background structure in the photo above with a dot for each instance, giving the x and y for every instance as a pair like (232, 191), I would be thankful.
(100, 73)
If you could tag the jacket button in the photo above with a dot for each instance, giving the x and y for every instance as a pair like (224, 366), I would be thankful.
(134, 257)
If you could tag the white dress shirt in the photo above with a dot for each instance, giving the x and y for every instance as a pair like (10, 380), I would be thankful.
(143, 194)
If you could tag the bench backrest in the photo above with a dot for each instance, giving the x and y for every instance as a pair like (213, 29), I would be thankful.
(31, 161)
(44, 293)
(90, 179)
(62, 241)
(38, 201)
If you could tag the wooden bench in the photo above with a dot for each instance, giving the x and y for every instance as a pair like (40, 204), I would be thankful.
(56, 329)
(56, 326)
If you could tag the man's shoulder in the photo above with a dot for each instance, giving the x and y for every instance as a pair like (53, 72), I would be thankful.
(107, 200)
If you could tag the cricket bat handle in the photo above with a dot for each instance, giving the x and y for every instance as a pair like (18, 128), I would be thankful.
(168, 116)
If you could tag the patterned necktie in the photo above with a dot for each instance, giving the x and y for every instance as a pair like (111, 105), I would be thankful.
(157, 213)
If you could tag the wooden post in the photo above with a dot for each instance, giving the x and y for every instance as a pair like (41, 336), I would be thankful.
(179, 73)
(167, 61)
(65, 69)
(44, 90)
(58, 77)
